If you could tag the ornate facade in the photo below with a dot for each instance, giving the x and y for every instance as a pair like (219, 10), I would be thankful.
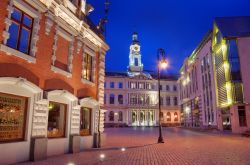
(51, 79)
(131, 98)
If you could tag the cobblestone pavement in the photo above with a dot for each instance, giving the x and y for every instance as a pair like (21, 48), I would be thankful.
(181, 147)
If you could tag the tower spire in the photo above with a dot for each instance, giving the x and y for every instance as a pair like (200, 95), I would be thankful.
(135, 64)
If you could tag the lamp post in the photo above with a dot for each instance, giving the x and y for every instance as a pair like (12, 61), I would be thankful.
(162, 63)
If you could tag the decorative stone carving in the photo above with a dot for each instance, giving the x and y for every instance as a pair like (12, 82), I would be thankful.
(48, 23)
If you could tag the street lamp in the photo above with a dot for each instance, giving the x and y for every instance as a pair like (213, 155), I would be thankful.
(162, 64)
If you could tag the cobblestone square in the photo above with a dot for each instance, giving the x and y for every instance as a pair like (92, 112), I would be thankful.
(129, 146)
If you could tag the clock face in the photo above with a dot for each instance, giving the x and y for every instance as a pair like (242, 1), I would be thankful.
(136, 48)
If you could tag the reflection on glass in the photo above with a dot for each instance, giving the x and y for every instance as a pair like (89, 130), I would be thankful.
(85, 123)
(57, 120)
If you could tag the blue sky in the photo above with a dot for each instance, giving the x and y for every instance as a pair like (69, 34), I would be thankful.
(175, 25)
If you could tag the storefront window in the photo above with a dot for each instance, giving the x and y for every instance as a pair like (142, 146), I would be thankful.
(12, 117)
(175, 116)
(57, 120)
(168, 116)
(85, 123)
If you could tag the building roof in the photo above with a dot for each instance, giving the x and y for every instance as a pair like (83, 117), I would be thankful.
(153, 75)
(232, 27)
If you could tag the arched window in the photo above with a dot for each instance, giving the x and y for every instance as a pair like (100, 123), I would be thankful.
(120, 116)
(168, 116)
(111, 116)
(161, 115)
(112, 99)
(175, 116)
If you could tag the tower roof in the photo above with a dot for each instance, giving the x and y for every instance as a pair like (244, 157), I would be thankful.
(135, 38)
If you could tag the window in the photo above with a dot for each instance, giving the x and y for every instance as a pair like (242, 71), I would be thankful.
(105, 98)
(175, 116)
(168, 116)
(174, 88)
(136, 62)
(112, 99)
(85, 121)
(120, 99)
(141, 85)
(167, 87)
(133, 85)
(57, 120)
(234, 61)
(242, 116)
(168, 100)
(160, 87)
(111, 116)
(161, 100)
(12, 117)
(87, 70)
(120, 116)
(20, 31)
(120, 85)
(104, 116)
(112, 85)
(133, 99)
(161, 115)
(105, 85)
(148, 86)
(175, 101)
(141, 100)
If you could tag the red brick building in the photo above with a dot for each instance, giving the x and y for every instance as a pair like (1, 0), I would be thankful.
(51, 78)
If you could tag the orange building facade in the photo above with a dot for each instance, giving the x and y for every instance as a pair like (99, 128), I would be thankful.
(52, 63)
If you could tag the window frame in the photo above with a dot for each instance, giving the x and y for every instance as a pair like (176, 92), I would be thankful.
(24, 119)
(21, 25)
(65, 121)
(88, 67)
(90, 121)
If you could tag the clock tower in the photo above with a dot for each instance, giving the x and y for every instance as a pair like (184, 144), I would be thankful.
(135, 64)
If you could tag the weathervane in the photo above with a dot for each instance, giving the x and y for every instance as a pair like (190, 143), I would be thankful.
(103, 21)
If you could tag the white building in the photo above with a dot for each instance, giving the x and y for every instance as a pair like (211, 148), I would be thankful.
(196, 87)
(131, 98)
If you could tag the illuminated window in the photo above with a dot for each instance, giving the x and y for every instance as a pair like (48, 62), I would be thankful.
(20, 31)
(141, 85)
(133, 99)
(57, 120)
(161, 115)
(168, 116)
(12, 117)
(85, 121)
(87, 70)
(133, 85)
(175, 116)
